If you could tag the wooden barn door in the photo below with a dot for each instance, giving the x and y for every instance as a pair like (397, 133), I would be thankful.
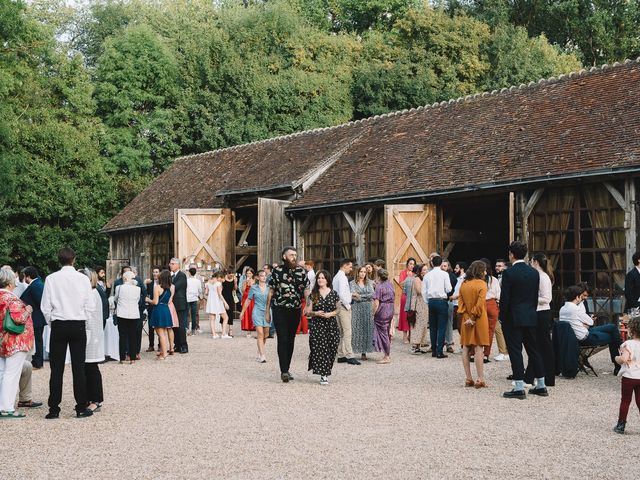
(204, 235)
(275, 230)
(410, 231)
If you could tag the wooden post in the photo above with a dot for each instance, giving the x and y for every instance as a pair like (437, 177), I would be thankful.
(512, 217)
(630, 218)
(527, 210)
(359, 226)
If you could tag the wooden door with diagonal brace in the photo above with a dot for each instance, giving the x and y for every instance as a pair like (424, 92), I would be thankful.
(204, 235)
(410, 231)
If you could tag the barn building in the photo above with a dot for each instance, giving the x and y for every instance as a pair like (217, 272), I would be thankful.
(554, 163)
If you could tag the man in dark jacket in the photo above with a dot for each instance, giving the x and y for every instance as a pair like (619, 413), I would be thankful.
(518, 305)
(33, 296)
(632, 284)
(179, 280)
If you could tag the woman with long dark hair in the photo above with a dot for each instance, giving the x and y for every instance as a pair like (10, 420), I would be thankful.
(540, 262)
(416, 302)
(246, 320)
(324, 335)
(161, 317)
(474, 326)
(403, 323)
(492, 298)
(383, 306)
(362, 312)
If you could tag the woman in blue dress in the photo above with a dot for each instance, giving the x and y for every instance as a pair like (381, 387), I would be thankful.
(161, 319)
(258, 293)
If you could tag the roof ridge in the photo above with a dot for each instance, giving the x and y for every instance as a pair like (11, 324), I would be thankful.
(505, 90)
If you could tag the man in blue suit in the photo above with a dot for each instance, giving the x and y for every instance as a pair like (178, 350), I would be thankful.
(518, 305)
(33, 296)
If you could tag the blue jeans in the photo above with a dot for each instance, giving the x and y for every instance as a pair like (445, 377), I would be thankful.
(192, 308)
(602, 335)
(438, 312)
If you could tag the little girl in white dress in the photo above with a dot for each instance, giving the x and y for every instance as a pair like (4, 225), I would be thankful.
(216, 305)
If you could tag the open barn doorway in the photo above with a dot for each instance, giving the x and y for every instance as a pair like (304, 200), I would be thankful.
(475, 228)
(246, 247)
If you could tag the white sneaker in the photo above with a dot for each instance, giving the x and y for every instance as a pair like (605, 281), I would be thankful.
(324, 380)
(501, 358)
(226, 336)
(215, 336)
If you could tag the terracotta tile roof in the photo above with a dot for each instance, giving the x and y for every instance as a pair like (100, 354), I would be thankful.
(584, 123)
(571, 125)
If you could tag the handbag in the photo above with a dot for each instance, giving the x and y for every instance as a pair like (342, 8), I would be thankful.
(10, 326)
(236, 300)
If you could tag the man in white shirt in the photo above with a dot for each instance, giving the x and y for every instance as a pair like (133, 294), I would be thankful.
(341, 286)
(435, 290)
(67, 303)
(194, 294)
(582, 325)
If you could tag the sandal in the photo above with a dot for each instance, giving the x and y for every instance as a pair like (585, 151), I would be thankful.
(469, 383)
(171, 352)
(13, 414)
(96, 408)
(161, 357)
(383, 361)
(481, 384)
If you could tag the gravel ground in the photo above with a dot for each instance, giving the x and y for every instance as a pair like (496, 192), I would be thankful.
(216, 413)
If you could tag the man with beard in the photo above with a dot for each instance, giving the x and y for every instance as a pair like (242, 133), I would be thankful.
(289, 284)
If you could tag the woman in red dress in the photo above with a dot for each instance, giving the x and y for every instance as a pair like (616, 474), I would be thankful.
(403, 323)
(246, 322)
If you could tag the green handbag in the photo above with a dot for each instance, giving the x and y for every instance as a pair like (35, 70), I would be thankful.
(10, 326)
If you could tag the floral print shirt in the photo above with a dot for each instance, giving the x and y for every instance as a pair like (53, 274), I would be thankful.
(288, 286)
(11, 343)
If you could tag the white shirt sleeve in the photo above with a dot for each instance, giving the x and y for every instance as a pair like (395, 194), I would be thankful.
(45, 303)
(344, 292)
(447, 283)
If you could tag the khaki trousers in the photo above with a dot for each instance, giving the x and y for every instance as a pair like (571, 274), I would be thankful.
(344, 323)
(502, 344)
(25, 382)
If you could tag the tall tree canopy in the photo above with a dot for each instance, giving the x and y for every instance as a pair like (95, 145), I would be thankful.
(97, 98)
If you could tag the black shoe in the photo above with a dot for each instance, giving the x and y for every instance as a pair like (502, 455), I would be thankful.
(434, 354)
(472, 359)
(486, 360)
(515, 394)
(51, 416)
(353, 361)
(342, 359)
(442, 355)
(510, 377)
(619, 428)
(541, 392)
(184, 350)
(29, 404)
(285, 377)
(84, 413)
(616, 369)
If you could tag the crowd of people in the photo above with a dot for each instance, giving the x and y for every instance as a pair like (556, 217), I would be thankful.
(348, 316)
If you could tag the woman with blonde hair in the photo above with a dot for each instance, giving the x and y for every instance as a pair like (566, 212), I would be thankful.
(95, 346)
(16, 341)
(474, 326)
(127, 298)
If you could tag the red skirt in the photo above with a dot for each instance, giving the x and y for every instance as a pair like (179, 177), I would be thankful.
(403, 323)
(246, 322)
(303, 327)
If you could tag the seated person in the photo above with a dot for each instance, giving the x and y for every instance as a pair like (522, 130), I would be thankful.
(582, 325)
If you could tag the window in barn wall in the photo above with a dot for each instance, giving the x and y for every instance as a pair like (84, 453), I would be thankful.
(328, 240)
(374, 248)
(162, 248)
(581, 230)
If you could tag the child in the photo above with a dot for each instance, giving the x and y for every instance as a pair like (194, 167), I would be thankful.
(216, 304)
(629, 358)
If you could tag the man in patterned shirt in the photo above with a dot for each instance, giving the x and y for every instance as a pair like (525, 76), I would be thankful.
(288, 285)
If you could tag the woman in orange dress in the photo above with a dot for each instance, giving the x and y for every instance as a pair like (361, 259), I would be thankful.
(246, 322)
(474, 328)
(403, 323)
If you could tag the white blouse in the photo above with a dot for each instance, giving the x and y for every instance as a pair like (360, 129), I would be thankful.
(95, 332)
(544, 293)
(493, 289)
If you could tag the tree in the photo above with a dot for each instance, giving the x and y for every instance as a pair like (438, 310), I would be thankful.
(137, 97)
(62, 189)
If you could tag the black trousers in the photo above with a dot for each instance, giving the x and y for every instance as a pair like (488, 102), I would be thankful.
(286, 321)
(128, 341)
(72, 334)
(516, 337)
(139, 325)
(38, 360)
(180, 333)
(545, 350)
(94, 383)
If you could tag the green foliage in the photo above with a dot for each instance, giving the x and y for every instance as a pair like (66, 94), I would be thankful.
(97, 100)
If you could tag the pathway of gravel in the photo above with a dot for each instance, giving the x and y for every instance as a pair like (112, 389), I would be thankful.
(216, 413)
